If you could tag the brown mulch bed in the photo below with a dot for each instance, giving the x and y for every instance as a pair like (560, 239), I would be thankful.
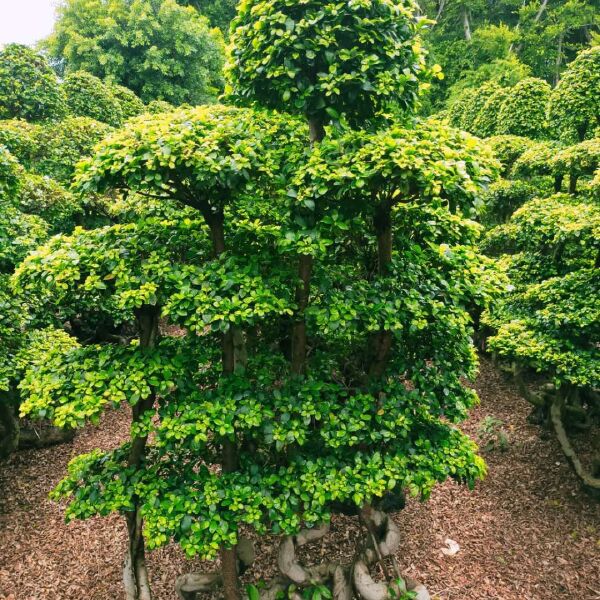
(525, 533)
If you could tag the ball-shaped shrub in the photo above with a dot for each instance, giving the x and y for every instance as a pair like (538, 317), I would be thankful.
(574, 109)
(504, 197)
(29, 88)
(159, 106)
(524, 110)
(87, 96)
(508, 149)
(130, 104)
(486, 121)
(21, 139)
(321, 58)
(65, 143)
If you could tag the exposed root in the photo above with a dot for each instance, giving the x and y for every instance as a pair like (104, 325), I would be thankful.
(590, 483)
(346, 582)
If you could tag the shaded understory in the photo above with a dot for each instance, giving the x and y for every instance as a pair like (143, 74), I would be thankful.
(525, 533)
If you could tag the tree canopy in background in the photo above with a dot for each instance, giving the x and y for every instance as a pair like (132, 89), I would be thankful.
(157, 48)
(219, 12)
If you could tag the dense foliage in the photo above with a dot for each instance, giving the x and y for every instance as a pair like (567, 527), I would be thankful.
(29, 88)
(156, 48)
(87, 96)
(327, 59)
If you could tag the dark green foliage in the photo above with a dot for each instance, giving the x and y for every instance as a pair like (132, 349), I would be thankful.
(87, 96)
(326, 59)
(219, 12)
(29, 88)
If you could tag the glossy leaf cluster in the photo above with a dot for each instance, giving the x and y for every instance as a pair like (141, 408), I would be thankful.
(325, 59)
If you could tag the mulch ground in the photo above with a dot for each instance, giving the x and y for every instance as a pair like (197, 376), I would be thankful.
(525, 533)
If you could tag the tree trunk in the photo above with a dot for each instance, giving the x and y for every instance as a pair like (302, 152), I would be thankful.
(559, 57)
(232, 345)
(9, 423)
(558, 180)
(135, 572)
(382, 343)
(590, 483)
(573, 184)
(305, 266)
(466, 24)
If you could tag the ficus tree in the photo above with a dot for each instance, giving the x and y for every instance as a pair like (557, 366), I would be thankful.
(87, 96)
(322, 292)
(574, 108)
(549, 322)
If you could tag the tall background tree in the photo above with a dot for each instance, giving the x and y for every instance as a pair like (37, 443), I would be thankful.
(157, 48)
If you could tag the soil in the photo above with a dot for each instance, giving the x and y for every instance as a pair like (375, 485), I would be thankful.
(525, 533)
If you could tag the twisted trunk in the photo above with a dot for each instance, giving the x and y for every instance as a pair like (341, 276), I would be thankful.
(135, 572)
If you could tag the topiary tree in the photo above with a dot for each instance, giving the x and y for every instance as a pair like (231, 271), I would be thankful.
(159, 106)
(574, 108)
(87, 96)
(549, 323)
(29, 88)
(21, 139)
(538, 162)
(503, 198)
(129, 103)
(577, 161)
(324, 60)
(524, 110)
(469, 106)
(460, 106)
(63, 144)
(325, 296)
(42, 196)
(486, 121)
(19, 233)
(508, 149)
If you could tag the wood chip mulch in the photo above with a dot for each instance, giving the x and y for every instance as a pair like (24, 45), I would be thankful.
(525, 533)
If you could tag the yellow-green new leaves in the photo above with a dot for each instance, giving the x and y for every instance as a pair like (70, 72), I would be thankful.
(325, 59)
(200, 156)
(428, 163)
